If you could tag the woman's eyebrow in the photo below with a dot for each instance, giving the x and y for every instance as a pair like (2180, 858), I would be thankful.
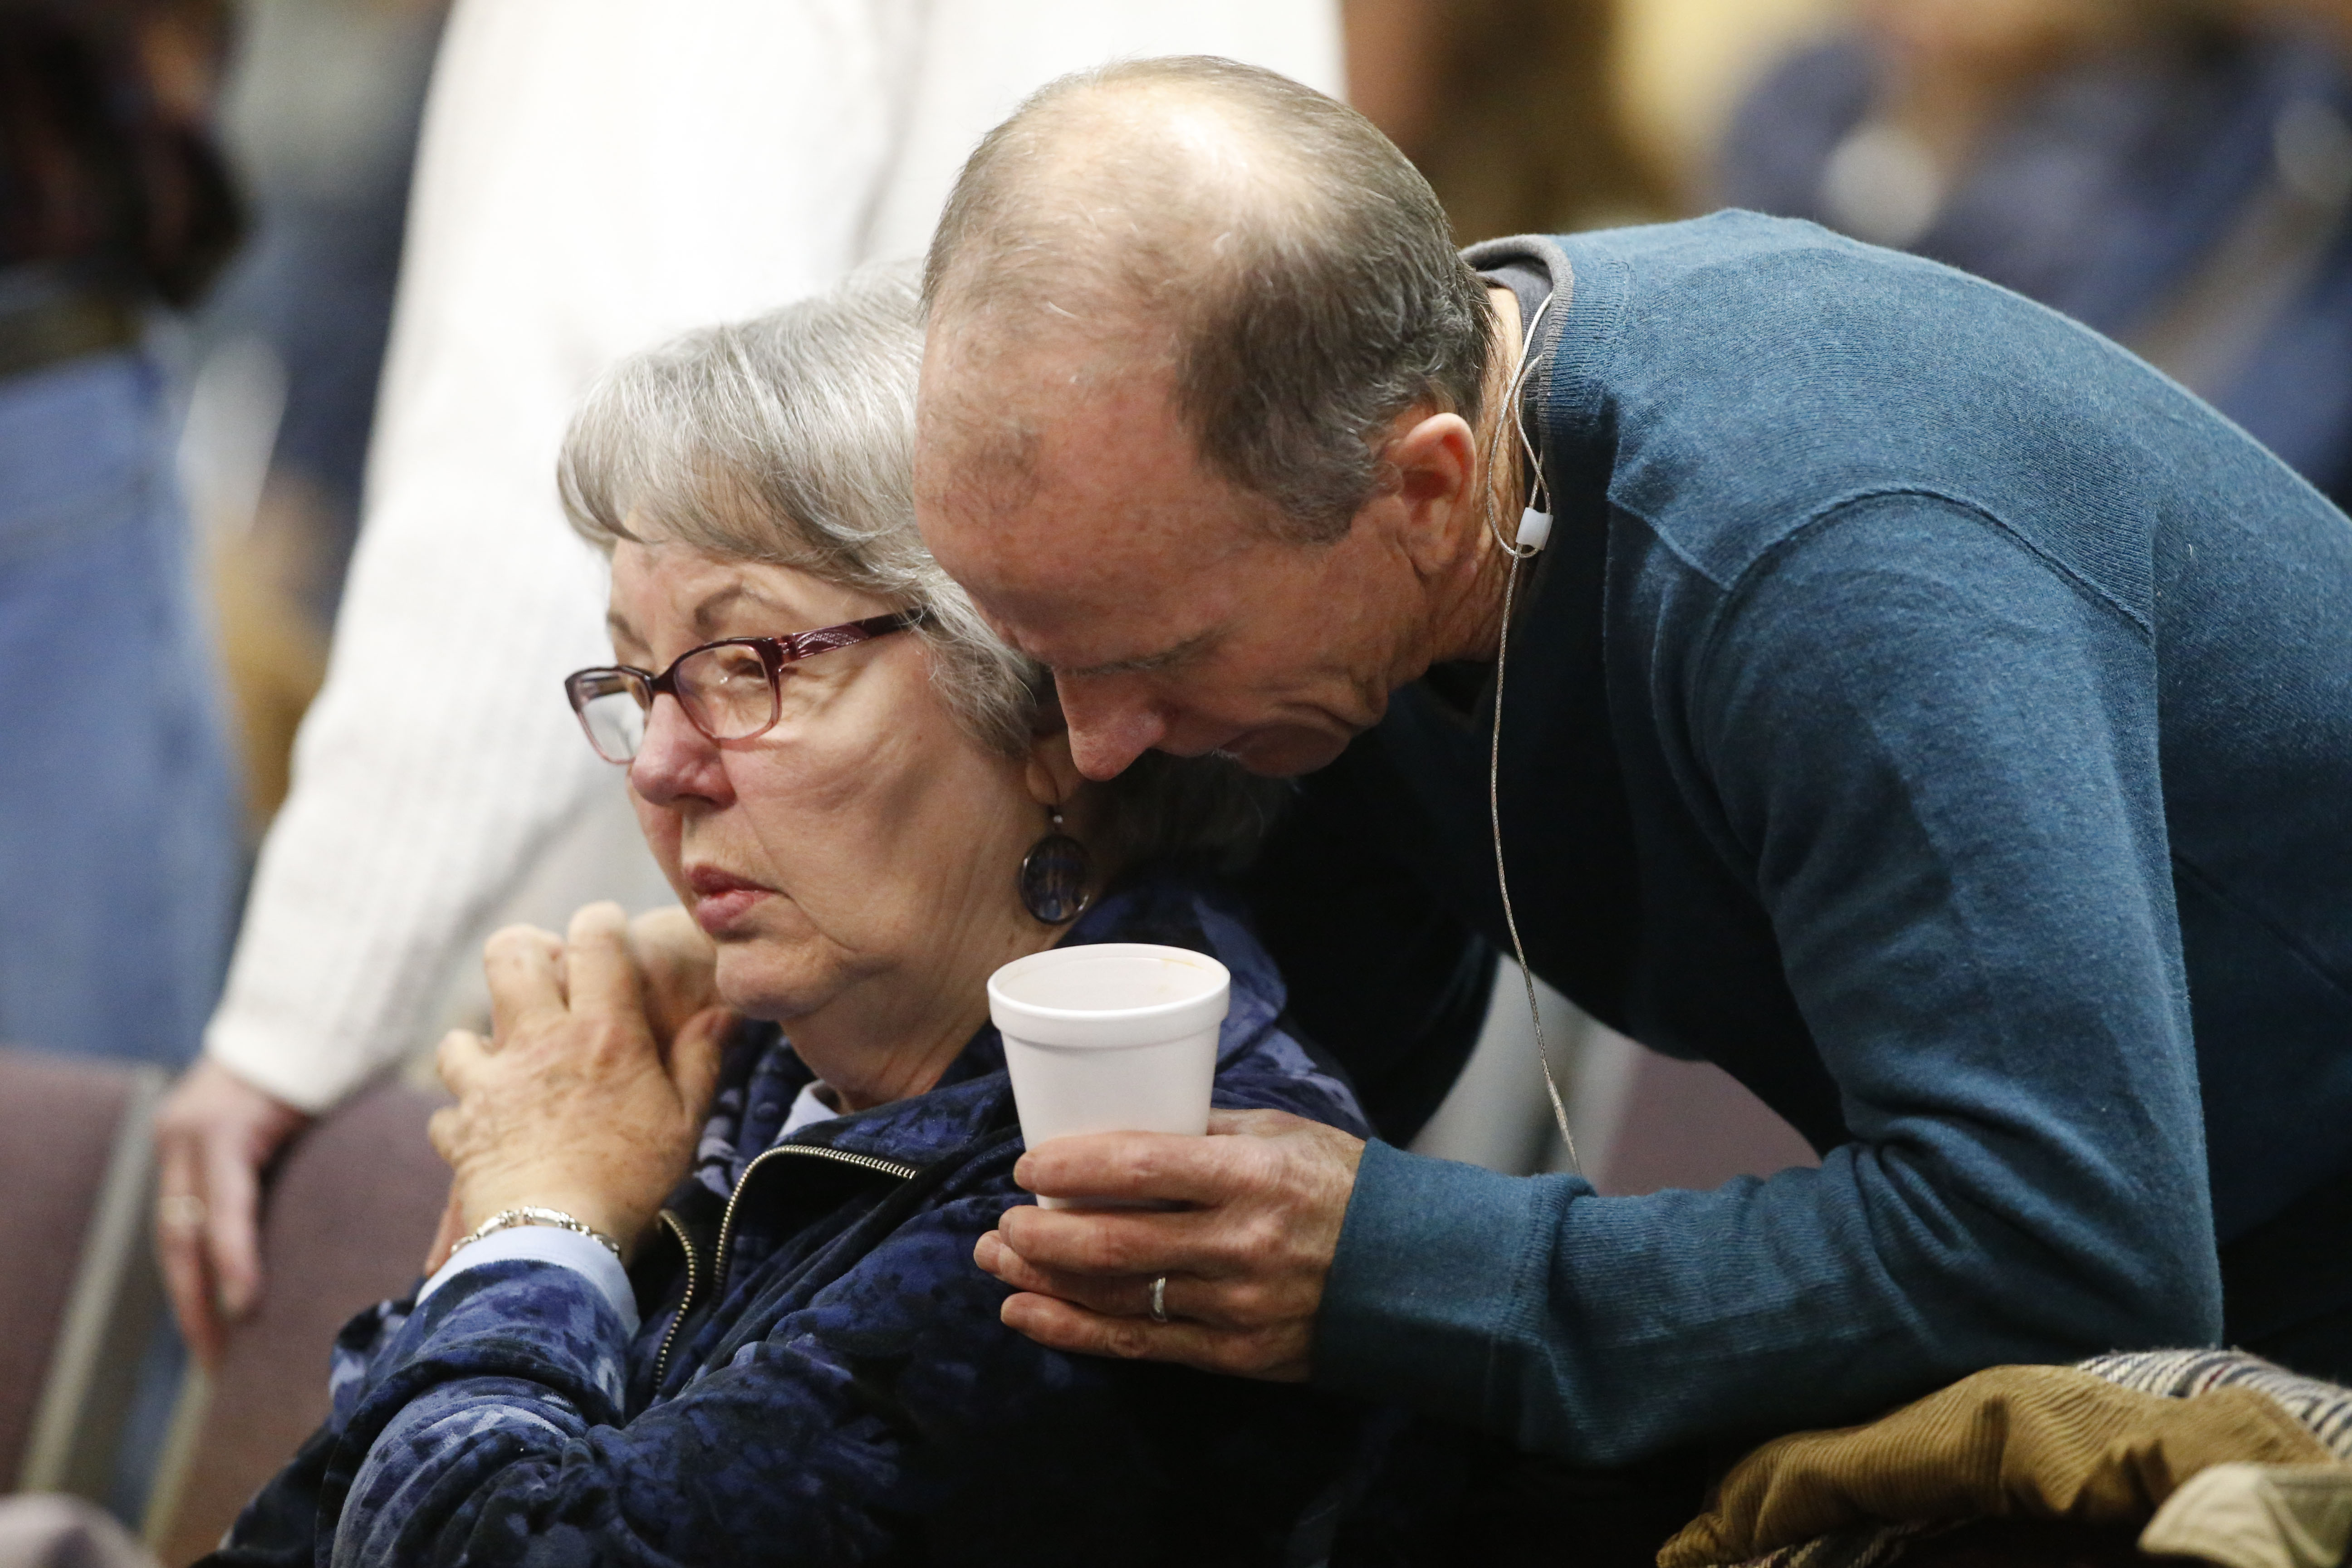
(707, 614)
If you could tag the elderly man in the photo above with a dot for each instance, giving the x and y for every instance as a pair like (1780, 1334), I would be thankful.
(1922, 709)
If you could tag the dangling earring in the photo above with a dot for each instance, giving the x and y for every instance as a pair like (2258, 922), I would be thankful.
(1057, 877)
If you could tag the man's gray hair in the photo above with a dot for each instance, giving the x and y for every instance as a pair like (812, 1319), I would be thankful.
(1313, 290)
(789, 439)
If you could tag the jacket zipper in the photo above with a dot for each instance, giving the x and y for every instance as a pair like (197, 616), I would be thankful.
(693, 1275)
(727, 1228)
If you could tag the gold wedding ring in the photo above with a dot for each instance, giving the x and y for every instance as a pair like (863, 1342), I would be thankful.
(182, 1212)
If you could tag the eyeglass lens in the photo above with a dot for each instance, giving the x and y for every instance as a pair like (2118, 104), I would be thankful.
(725, 691)
(611, 707)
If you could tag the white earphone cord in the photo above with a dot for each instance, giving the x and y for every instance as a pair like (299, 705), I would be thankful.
(1503, 881)
(1518, 553)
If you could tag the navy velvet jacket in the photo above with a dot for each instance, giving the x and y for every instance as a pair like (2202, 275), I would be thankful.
(823, 1379)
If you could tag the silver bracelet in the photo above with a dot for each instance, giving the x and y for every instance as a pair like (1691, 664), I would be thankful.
(507, 1219)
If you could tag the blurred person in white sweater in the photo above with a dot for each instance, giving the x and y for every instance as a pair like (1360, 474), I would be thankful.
(594, 175)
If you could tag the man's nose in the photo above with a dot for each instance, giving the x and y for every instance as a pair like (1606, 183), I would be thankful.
(676, 760)
(1108, 731)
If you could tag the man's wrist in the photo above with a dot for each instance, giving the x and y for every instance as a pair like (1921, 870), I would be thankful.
(1424, 1280)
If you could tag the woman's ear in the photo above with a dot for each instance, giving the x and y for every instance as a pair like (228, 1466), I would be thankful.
(1052, 773)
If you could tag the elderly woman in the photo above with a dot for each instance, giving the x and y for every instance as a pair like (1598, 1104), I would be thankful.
(712, 1297)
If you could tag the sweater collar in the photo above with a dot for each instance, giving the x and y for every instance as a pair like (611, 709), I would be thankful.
(1562, 399)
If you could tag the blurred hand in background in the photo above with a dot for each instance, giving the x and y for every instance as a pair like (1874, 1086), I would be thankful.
(213, 1137)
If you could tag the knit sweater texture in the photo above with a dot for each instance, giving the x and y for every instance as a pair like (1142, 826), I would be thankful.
(1942, 722)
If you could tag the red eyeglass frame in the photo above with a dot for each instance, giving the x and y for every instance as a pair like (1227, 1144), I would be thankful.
(774, 653)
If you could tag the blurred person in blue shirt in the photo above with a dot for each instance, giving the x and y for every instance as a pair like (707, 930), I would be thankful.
(120, 842)
(2175, 173)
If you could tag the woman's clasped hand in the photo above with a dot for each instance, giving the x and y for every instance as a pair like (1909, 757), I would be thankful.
(593, 1086)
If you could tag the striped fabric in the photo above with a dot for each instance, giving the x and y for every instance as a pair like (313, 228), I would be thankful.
(1867, 1546)
(2182, 1374)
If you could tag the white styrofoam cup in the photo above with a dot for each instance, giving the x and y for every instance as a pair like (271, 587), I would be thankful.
(1115, 1036)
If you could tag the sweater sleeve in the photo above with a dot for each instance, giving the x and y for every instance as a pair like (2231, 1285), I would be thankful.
(1934, 754)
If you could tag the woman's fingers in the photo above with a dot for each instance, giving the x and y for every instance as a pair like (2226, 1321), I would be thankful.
(523, 964)
(457, 1058)
(695, 1056)
(441, 1132)
(601, 974)
(678, 964)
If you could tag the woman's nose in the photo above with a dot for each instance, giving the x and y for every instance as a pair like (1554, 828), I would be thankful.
(675, 761)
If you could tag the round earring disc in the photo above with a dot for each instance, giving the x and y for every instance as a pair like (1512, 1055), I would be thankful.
(1054, 878)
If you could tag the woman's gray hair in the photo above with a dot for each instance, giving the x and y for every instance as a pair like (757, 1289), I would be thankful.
(790, 439)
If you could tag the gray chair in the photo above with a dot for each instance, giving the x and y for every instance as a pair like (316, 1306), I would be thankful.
(1643, 1121)
(1692, 1125)
(349, 1213)
(81, 1293)
(59, 1531)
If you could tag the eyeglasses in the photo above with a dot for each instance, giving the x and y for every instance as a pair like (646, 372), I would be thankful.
(731, 690)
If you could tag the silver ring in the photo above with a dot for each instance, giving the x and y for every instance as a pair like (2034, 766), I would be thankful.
(1159, 1300)
(182, 1211)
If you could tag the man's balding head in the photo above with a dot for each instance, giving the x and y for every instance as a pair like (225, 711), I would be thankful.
(1260, 244)
(1197, 426)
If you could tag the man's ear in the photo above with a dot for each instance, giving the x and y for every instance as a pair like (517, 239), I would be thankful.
(1052, 773)
(1434, 459)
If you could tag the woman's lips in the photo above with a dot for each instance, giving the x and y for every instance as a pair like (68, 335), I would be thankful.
(721, 899)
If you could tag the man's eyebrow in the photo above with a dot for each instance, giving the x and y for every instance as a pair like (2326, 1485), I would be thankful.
(1146, 663)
